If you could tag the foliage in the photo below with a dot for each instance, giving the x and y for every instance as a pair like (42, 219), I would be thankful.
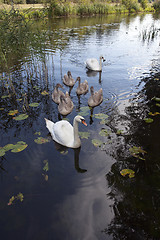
(156, 5)
(41, 140)
(17, 38)
(128, 172)
(19, 196)
(131, 5)
(18, 147)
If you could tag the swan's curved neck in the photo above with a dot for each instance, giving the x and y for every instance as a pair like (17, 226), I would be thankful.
(77, 141)
(100, 63)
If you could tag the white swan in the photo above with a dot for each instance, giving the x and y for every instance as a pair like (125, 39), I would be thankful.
(64, 133)
(94, 65)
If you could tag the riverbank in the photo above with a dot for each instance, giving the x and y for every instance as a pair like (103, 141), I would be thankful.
(22, 6)
(86, 8)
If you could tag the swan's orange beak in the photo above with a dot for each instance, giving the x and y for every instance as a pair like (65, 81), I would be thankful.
(83, 121)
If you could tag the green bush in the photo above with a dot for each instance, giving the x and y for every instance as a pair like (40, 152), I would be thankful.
(156, 5)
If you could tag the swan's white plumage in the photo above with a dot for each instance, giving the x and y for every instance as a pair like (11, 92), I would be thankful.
(93, 64)
(64, 133)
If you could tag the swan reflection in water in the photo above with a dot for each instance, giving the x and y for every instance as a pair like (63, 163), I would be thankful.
(63, 149)
(91, 73)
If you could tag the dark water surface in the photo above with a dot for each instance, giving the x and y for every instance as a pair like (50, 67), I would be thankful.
(80, 194)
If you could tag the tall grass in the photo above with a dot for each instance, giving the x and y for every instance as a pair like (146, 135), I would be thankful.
(84, 8)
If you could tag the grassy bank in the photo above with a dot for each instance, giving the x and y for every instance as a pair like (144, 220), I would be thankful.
(80, 8)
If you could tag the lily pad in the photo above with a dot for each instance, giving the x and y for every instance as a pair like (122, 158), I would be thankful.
(41, 140)
(104, 133)
(85, 135)
(148, 120)
(129, 172)
(8, 147)
(46, 167)
(1, 109)
(45, 177)
(20, 146)
(6, 96)
(157, 99)
(18, 197)
(35, 104)
(135, 151)
(119, 132)
(104, 121)
(19, 99)
(13, 112)
(97, 142)
(44, 93)
(22, 116)
(2, 152)
(37, 133)
(101, 116)
(157, 104)
(84, 111)
(153, 114)
(64, 152)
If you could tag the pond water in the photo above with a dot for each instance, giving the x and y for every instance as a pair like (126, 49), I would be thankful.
(80, 194)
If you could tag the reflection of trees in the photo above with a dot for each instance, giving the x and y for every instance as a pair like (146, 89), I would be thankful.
(137, 200)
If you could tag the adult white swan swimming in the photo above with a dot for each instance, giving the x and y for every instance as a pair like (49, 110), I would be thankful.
(64, 133)
(94, 65)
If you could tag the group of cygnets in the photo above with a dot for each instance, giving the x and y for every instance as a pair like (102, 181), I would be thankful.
(64, 101)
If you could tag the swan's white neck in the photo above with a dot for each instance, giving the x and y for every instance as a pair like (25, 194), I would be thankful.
(77, 141)
(100, 63)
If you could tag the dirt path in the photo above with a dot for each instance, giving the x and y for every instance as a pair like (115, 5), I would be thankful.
(21, 6)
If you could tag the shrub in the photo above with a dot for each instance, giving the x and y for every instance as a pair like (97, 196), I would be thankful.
(156, 5)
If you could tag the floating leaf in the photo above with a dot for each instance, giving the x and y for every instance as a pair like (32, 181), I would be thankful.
(8, 147)
(137, 150)
(34, 104)
(153, 114)
(44, 93)
(13, 198)
(104, 133)
(20, 146)
(157, 104)
(6, 96)
(13, 112)
(129, 172)
(84, 111)
(19, 99)
(119, 132)
(97, 142)
(2, 152)
(37, 133)
(156, 99)
(85, 135)
(1, 109)
(41, 140)
(104, 121)
(36, 87)
(22, 116)
(45, 176)
(157, 79)
(101, 116)
(64, 152)
(46, 167)
(148, 120)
